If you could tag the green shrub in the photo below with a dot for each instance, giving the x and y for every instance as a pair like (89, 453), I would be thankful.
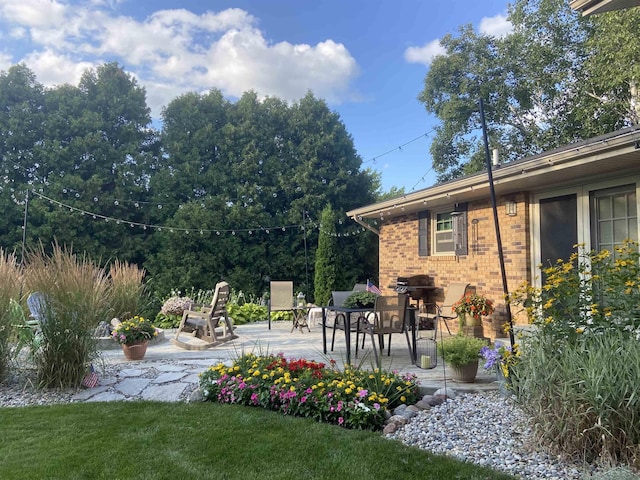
(282, 316)
(246, 313)
(460, 350)
(360, 299)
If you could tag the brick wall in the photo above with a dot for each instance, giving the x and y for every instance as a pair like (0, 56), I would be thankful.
(480, 268)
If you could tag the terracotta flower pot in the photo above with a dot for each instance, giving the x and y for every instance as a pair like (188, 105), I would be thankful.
(135, 351)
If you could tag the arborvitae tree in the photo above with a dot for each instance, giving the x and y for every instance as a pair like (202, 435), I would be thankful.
(326, 258)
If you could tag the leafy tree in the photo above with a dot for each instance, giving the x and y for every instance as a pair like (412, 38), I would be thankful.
(544, 85)
(267, 167)
(21, 131)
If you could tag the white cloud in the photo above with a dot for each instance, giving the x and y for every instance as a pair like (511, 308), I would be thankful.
(497, 26)
(5, 62)
(424, 54)
(173, 51)
(52, 68)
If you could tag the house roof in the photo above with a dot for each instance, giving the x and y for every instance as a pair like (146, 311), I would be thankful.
(613, 155)
(590, 7)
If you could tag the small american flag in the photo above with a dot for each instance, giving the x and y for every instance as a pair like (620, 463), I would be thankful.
(372, 288)
(91, 379)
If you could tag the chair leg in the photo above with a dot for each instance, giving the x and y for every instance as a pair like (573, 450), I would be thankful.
(375, 350)
(389, 347)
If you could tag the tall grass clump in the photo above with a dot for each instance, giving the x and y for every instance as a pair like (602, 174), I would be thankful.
(77, 295)
(577, 374)
(127, 290)
(10, 283)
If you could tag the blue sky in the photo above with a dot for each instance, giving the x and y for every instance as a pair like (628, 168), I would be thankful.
(367, 59)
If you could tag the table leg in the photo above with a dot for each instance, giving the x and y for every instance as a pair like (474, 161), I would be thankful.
(324, 330)
(347, 335)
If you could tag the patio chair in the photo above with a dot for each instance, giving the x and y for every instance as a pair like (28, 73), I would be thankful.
(280, 297)
(388, 317)
(204, 323)
(444, 312)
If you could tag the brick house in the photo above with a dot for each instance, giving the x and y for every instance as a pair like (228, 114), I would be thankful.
(585, 192)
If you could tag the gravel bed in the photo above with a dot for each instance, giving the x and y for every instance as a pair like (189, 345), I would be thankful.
(486, 429)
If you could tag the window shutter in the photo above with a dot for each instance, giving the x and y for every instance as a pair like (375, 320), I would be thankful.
(460, 230)
(423, 233)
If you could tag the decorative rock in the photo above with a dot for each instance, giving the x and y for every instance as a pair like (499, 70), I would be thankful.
(399, 409)
(389, 428)
(432, 401)
(422, 405)
(445, 392)
(398, 419)
(196, 396)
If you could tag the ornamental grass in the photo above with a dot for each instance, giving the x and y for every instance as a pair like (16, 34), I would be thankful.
(353, 398)
(10, 286)
(128, 295)
(76, 299)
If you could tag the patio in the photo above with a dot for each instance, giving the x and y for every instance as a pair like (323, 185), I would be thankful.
(257, 338)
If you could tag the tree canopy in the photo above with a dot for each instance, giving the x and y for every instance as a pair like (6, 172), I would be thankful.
(225, 190)
(555, 79)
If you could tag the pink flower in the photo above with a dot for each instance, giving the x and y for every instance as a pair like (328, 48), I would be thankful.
(340, 420)
(363, 393)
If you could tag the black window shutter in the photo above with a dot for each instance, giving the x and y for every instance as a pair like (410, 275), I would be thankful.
(460, 230)
(423, 233)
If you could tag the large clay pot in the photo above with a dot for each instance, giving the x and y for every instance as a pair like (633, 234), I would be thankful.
(466, 373)
(135, 351)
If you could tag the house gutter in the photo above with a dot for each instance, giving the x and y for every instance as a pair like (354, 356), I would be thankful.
(366, 225)
(449, 191)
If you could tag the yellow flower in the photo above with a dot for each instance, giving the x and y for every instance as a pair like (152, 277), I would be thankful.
(580, 330)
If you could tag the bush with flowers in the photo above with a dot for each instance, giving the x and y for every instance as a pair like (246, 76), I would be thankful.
(353, 398)
(473, 304)
(578, 374)
(134, 330)
(500, 356)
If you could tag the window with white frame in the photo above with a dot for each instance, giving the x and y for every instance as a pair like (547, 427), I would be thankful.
(614, 217)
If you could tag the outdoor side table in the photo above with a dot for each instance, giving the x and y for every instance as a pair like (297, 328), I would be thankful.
(300, 318)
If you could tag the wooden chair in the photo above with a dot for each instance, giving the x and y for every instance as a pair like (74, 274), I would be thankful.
(204, 323)
(388, 317)
(280, 297)
(455, 291)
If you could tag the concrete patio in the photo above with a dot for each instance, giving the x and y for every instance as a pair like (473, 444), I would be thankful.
(257, 338)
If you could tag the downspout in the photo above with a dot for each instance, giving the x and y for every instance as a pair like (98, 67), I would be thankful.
(365, 225)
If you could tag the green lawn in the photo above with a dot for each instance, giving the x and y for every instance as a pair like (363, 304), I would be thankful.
(149, 440)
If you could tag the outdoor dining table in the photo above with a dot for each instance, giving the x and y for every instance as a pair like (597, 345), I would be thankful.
(347, 313)
(360, 312)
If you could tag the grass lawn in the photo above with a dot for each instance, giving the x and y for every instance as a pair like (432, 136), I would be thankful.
(149, 440)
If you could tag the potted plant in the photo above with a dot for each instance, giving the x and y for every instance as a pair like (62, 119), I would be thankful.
(360, 300)
(461, 354)
(471, 308)
(134, 335)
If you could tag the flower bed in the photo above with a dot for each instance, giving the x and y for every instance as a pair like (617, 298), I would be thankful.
(354, 398)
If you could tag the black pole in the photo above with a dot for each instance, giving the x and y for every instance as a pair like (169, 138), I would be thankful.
(306, 262)
(503, 271)
(24, 228)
